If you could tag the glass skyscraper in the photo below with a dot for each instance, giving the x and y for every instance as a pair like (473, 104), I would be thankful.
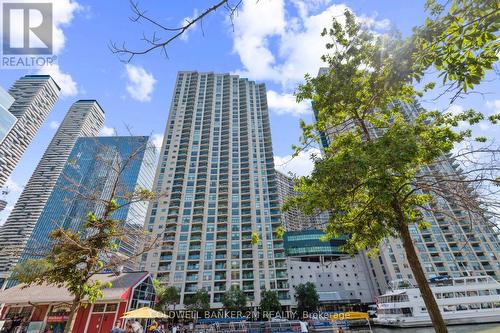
(218, 185)
(7, 119)
(94, 167)
(23, 110)
(85, 118)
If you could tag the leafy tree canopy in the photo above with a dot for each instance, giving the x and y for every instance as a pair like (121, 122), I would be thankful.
(198, 302)
(234, 299)
(166, 296)
(374, 177)
(307, 298)
(460, 39)
(269, 301)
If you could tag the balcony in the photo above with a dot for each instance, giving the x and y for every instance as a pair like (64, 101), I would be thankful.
(191, 289)
(221, 246)
(219, 277)
(279, 254)
(247, 255)
(192, 278)
(163, 268)
(220, 288)
(282, 296)
(282, 285)
(247, 287)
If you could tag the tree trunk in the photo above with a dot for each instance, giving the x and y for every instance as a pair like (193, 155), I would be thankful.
(423, 285)
(72, 315)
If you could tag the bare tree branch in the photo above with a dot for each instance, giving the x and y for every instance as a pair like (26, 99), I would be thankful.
(155, 42)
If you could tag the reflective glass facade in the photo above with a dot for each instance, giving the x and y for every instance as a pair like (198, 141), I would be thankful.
(7, 120)
(91, 169)
(310, 243)
(143, 295)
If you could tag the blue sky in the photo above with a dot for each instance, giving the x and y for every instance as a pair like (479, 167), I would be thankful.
(272, 41)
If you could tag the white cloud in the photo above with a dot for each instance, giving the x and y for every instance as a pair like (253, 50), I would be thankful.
(301, 165)
(286, 104)
(372, 23)
(54, 124)
(8, 209)
(140, 83)
(63, 13)
(275, 44)
(186, 20)
(305, 7)
(484, 125)
(455, 109)
(494, 105)
(157, 140)
(255, 23)
(12, 186)
(15, 190)
(64, 80)
(107, 131)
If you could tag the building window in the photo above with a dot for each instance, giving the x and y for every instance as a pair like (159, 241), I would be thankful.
(99, 308)
(111, 307)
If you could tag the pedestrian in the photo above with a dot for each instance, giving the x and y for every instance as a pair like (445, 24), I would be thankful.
(137, 327)
(16, 322)
(153, 328)
(129, 328)
(49, 329)
(116, 328)
(7, 326)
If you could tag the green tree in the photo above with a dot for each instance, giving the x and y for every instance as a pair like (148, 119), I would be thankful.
(234, 299)
(372, 178)
(199, 302)
(269, 301)
(307, 298)
(166, 296)
(460, 40)
(255, 238)
(279, 232)
(75, 257)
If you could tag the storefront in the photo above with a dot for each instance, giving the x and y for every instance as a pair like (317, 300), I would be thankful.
(46, 308)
